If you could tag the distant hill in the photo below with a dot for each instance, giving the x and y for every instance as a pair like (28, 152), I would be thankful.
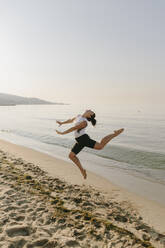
(11, 100)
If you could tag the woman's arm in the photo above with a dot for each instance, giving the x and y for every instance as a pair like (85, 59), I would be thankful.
(65, 122)
(83, 124)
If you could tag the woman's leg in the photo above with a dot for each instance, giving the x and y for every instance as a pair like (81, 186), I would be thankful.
(75, 159)
(106, 139)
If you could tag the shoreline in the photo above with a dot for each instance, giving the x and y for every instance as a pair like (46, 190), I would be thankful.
(152, 213)
(131, 181)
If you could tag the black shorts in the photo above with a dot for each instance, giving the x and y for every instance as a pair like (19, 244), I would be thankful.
(83, 141)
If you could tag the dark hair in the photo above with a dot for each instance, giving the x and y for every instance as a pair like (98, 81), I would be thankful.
(92, 119)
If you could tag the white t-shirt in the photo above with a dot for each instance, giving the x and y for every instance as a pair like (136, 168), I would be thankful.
(78, 120)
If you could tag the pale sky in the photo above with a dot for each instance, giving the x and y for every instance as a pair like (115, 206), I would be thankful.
(103, 51)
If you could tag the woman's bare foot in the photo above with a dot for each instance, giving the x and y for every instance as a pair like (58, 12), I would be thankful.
(119, 131)
(84, 174)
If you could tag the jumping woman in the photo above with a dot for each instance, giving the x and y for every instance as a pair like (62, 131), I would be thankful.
(82, 139)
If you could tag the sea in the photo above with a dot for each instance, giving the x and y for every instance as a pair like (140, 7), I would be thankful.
(134, 160)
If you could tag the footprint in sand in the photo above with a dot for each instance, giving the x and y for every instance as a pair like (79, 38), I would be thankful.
(19, 231)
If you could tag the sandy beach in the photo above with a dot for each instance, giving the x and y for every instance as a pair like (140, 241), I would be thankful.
(44, 202)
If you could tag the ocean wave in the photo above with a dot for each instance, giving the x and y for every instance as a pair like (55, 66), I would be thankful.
(131, 156)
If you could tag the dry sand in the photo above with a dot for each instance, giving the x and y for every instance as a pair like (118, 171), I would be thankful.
(44, 202)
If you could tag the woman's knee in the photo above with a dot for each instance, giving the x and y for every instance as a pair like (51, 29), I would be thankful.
(98, 146)
(72, 155)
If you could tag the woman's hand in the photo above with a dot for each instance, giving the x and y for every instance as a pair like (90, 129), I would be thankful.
(59, 122)
(58, 132)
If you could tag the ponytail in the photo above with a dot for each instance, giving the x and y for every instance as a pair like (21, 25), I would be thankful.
(92, 119)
